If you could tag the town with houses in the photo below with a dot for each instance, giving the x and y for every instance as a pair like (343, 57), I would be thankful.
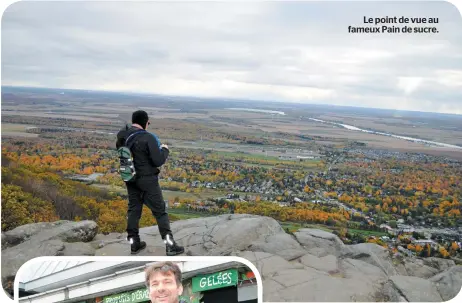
(400, 233)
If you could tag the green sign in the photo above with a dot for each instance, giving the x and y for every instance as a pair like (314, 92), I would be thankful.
(140, 295)
(213, 281)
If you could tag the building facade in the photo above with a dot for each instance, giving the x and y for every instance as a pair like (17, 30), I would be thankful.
(124, 282)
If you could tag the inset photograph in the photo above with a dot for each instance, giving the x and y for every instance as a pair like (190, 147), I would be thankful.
(117, 280)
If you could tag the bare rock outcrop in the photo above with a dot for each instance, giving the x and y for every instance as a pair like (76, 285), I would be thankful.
(311, 265)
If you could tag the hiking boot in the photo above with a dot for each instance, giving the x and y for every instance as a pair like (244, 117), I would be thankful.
(137, 246)
(171, 247)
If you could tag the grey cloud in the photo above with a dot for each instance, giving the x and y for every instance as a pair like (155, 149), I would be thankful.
(223, 62)
(266, 49)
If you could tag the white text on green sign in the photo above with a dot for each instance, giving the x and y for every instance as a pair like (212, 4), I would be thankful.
(140, 295)
(213, 281)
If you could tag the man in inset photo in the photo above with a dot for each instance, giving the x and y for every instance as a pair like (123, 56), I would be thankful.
(163, 281)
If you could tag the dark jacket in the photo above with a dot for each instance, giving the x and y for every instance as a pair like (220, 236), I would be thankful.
(147, 154)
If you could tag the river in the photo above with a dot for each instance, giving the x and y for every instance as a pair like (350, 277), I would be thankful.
(354, 128)
(259, 111)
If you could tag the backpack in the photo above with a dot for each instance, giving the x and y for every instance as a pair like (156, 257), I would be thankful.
(127, 167)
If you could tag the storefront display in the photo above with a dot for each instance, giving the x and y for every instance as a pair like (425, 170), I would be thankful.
(227, 286)
(124, 282)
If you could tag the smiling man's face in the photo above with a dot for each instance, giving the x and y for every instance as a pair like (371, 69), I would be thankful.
(164, 288)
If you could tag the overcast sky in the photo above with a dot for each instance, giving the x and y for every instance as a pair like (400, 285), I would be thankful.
(279, 51)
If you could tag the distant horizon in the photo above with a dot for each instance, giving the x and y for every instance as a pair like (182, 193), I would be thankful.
(282, 51)
(224, 99)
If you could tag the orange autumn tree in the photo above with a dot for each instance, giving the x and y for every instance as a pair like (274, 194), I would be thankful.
(454, 246)
(411, 247)
(428, 250)
(88, 170)
(443, 252)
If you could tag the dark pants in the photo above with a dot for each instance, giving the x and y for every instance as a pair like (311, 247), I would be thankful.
(146, 190)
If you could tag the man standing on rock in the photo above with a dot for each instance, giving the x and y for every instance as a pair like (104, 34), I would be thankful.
(164, 283)
(148, 157)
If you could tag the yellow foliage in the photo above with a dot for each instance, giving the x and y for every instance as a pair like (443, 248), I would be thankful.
(444, 253)
(19, 208)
